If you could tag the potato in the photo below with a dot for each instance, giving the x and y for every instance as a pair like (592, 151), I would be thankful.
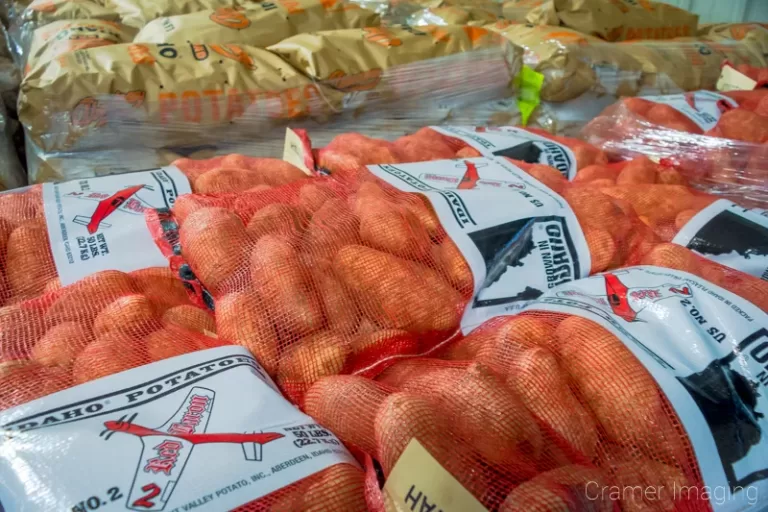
(312, 196)
(684, 217)
(424, 145)
(107, 355)
(226, 180)
(277, 218)
(602, 248)
(84, 300)
(390, 227)
(637, 171)
(503, 338)
(661, 481)
(392, 291)
(29, 264)
(132, 314)
(242, 319)
(312, 358)
(20, 327)
(24, 381)
(673, 256)
(404, 416)
(347, 406)
(273, 171)
(332, 227)
(592, 173)
(340, 309)
(216, 245)
(372, 348)
(20, 207)
(490, 417)
(192, 318)
(563, 489)
(161, 286)
(339, 487)
(6, 228)
(285, 287)
(549, 176)
(537, 379)
(626, 401)
(61, 344)
(186, 204)
(171, 342)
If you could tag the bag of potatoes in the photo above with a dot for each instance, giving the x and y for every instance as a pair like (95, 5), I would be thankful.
(445, 14)
(137, 13)
(517, 10)
(59, 37)
(160, 95)
(258, 25)
(618, 20)
(403, 62)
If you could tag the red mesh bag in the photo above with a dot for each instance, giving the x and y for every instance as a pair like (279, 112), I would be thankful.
(339, 274)
(104, 325)
(527, 412)
(23, 230)
(353, 149)
(717, 140)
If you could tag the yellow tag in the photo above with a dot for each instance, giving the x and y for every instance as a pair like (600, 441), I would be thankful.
(419, 482)
(529, 83)
(732, 80)
(293, 151)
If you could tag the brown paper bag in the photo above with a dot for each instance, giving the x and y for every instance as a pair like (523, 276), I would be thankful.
(161, 95)
(453, 15)
(60, 37)
(619, 20)
(137, 13)
(258, 25)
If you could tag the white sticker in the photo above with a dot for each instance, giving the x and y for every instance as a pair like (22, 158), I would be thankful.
(707, 348)
(515, 143)
(519, 237)
(728, 234)
(732, 80)
(204, 431)
(97, 224)
(702, 107)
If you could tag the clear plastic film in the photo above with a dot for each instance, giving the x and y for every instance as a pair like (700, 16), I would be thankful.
(620, 20)
(154, 98)
(258, 25)
(717, 140)
(574, 63)
(432, 12)
(453, 15)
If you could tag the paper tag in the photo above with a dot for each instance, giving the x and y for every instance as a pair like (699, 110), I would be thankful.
(728, 234)
(97, 224)
(707, 349)
(702, 107)
(519, 237)
(515, 143)
(732, 80)
(419, 482)
(171, 435)
(297, 152)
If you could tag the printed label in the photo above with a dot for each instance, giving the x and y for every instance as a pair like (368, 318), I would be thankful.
(515, 143)
(519, 237)
(97, 224)
(728, 234)
(170, 436)
(702, 107)
(707, 348)
(419, 482)
(732, 80)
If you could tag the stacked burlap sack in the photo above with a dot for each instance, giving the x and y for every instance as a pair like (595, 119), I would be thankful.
(717, 139)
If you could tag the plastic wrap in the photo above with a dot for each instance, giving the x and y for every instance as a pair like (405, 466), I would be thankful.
(517, 10)
(716, 139)
(617, 20)
(453, 15)
(258, 25)
(146, 98)
(573, 63)
(219, 431)
(9, 73)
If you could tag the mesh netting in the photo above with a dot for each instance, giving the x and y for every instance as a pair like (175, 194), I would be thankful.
(111, 322)
(28, 268)
(529, 420)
